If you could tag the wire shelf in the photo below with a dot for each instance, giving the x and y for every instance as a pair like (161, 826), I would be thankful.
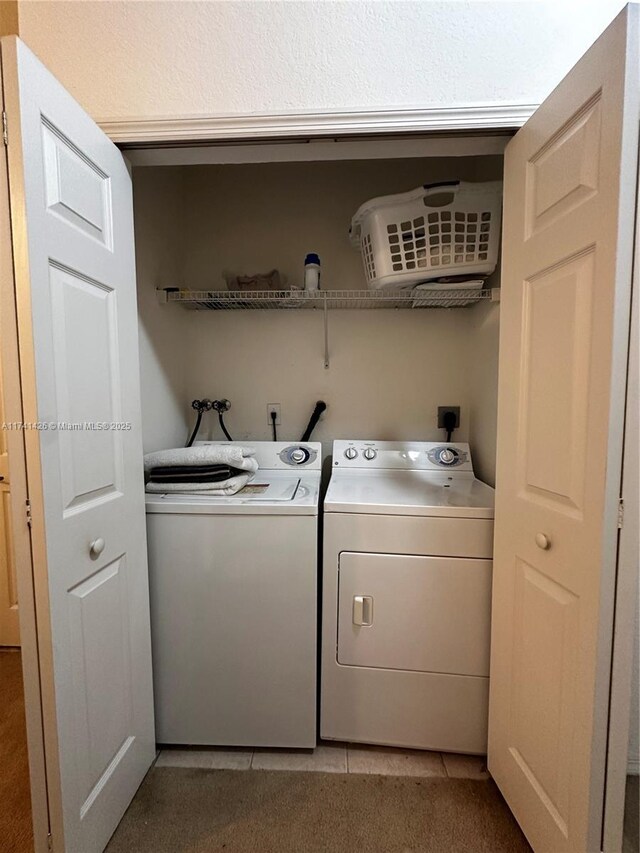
(225, 300)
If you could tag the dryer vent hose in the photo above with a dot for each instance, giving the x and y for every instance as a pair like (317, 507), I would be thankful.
(315, 417)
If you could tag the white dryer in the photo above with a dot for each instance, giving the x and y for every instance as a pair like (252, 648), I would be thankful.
(408, 537)
(233, 588)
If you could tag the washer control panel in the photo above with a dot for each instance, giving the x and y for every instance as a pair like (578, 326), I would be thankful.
(447, 456)
(407, 455)
(297, 455)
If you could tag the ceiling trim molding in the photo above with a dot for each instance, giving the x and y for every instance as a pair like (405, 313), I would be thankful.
(475, 117)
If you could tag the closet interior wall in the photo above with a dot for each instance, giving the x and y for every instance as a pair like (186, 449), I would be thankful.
(389, 369)
(163, 335)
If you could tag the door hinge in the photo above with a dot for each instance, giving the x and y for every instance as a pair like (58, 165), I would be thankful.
(5, 132)
(29, 516)
(620, 514)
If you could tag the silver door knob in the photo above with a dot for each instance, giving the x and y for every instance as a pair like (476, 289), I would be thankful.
(97, 547)
(543, 541)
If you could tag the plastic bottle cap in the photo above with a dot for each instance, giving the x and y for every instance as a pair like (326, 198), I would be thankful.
(312, 258)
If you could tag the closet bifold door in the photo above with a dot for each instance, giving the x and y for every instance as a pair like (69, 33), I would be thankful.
(570, 185)
(72, 226)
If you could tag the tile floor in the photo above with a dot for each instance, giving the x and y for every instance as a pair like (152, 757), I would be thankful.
(331, 758)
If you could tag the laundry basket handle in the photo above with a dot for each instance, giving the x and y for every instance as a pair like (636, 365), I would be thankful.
(446, 189)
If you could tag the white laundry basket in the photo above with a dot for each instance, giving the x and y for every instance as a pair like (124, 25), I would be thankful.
(445, 229)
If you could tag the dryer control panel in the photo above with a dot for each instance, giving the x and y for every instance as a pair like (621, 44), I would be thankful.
(402, 455)
(447, 456)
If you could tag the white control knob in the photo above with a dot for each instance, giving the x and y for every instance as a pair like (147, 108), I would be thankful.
(447, 457)
(299, 455)
(351, 453)
(370, 453)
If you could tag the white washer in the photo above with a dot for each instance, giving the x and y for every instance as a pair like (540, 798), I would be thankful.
(233, 584)
(408, 536)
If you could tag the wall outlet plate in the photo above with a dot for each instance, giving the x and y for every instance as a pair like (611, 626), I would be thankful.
(442, 410)
(273, 407)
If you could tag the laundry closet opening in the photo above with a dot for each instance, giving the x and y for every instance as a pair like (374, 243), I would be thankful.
(198, 224)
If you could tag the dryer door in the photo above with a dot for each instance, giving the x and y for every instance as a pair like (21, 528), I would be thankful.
(426, 614)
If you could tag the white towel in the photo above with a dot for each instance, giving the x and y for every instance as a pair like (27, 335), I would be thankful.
(234, 455)
(226, 488)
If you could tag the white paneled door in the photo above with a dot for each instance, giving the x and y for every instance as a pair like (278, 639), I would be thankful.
(570, 182)
(71, 206)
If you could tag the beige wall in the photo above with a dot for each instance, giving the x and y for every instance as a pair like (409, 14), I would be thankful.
(253, 217)
(178, 57)
(389, 369)
(158, 213)
(483, 391)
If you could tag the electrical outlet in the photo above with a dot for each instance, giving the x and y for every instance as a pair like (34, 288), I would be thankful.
(442, 410)
(273, 407)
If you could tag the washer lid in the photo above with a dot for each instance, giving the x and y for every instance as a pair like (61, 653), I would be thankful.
(410, 493)
(269, 492)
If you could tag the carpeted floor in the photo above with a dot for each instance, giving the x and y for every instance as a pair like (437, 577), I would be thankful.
(631, 841)
(16, 834)
(178, 810)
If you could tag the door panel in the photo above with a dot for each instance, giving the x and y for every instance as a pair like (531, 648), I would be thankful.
(545, 636)
(85, 321)
(425, 614)
(570, 176)
(74, 263)
(77, 190)
(564, 172)
(556, 320)
(99, 617)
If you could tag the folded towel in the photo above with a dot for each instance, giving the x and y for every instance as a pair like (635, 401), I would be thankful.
(234, 455)
(225, 489)
(192, 474)
(188, 469)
